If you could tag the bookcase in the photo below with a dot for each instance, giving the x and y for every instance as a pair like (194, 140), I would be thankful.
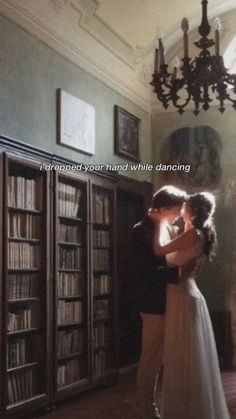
(25, 285)
(71, 283)
(104, 333)
(58, 281)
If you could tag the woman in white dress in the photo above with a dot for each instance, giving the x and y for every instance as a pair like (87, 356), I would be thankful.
(192, 386)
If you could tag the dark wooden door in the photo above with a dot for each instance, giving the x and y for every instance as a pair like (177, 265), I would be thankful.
(130, 210)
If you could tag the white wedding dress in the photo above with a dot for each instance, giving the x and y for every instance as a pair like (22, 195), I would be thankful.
(192, 387)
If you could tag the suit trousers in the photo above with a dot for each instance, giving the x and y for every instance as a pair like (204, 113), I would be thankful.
(150, 361)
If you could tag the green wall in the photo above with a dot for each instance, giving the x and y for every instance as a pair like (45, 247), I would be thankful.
(30, 74)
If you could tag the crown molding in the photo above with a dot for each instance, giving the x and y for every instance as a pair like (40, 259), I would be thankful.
(94, 25)
(81, 49)
(60, 4)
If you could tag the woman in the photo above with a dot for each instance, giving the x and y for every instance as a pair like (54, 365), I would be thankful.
(192, 386)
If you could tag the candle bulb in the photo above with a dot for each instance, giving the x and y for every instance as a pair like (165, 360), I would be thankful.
(217, 42)
(185, 27)
(185, 45)
(156, 61)
(161, 50)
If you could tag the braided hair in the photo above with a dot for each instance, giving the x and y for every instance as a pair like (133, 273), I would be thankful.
(202, 207)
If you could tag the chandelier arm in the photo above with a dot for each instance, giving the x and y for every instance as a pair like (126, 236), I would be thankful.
(182, 106)
(206, 98)
(177, 86)
(226, 97)
(162, 86)
(200, 76)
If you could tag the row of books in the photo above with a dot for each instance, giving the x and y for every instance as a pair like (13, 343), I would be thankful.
(101, 210)
(101, 238)
(101, 309)
(102, 284)
(24, 225)
(101, 336)
(70, 233)
(101, 363)
(68, 200)
(21, 319)
(23, 255)
(69, 284)
(68, 373)
(24, 192)
(20, 386)
(23, 285)
(69, 342)
(101, 260)
(70, 258)
(69, 312)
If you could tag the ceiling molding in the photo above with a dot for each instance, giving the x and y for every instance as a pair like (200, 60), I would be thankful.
(111, 70)
(104, 23)
(60, 4)
(94, 25)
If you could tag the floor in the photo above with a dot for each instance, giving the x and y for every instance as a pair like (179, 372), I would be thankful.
(229, 380)
(118, 401)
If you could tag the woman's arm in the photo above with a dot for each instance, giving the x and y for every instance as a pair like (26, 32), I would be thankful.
(183, 241)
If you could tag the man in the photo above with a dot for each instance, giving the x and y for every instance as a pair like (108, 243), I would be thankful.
(153, 274)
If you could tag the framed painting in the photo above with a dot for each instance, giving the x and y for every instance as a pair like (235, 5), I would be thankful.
(126, 134)
(76, 123)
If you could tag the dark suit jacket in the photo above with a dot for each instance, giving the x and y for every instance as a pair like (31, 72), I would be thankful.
(151, 270)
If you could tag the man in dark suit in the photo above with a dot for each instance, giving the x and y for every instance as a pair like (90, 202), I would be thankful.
(152, 276)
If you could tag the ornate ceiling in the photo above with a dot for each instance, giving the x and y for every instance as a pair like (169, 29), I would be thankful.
(115, 39)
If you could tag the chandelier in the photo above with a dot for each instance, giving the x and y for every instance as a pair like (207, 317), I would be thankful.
(199, 76)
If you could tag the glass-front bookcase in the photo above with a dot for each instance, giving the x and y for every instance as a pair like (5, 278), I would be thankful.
(103, 282)
(26, 332)
(71, 284)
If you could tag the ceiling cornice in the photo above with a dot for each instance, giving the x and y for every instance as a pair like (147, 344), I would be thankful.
(81, 49)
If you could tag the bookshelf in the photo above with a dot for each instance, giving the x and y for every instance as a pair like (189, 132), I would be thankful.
(103, 284)
(85, 291)
(25, 289)
(72, 290)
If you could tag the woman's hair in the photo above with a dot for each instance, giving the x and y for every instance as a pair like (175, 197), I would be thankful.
(168, 197)
(202, 206)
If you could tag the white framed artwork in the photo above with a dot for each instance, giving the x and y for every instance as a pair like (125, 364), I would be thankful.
(76, 123)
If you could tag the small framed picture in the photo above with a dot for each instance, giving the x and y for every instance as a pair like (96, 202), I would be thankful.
(126, 134)
(76, 123)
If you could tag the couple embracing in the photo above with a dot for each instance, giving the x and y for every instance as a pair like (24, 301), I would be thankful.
(176, 328)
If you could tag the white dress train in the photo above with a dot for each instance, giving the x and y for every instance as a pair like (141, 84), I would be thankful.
(192, 386)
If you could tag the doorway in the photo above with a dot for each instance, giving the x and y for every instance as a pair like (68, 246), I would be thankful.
(130, 210)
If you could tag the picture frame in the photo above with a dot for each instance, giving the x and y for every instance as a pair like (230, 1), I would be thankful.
(127, 127)
(75, 123)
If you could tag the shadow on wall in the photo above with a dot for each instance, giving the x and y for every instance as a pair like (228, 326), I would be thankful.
(200, 147)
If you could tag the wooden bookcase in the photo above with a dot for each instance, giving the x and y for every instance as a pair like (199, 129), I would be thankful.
(85, 327)
(58, 280)
(71, 284)
(103, 286)
(25, 288)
